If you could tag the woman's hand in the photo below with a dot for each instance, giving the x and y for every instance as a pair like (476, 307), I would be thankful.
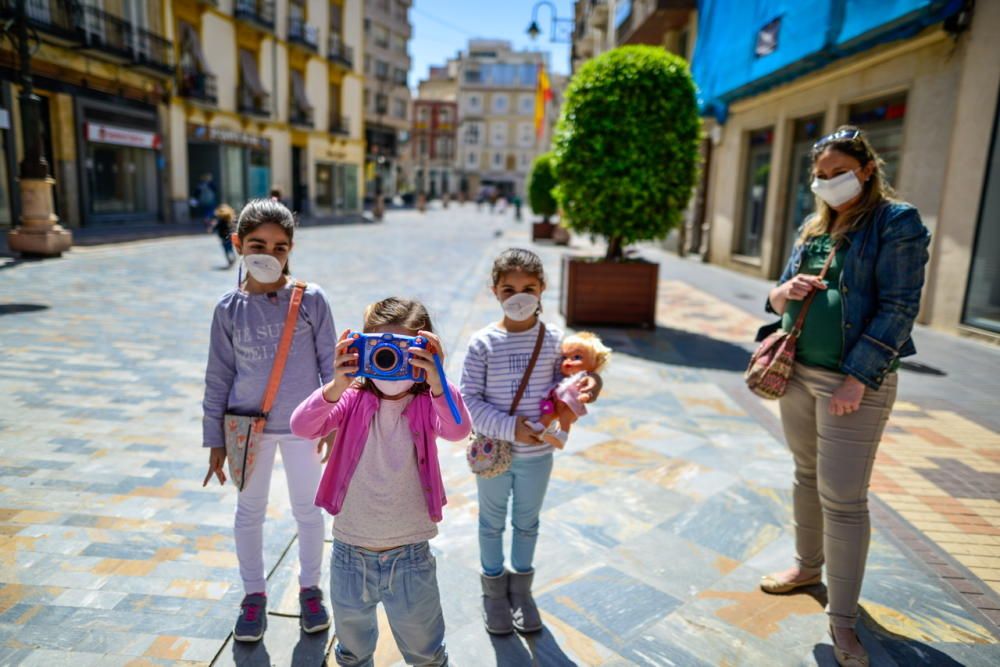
(216, 460)
(344, 363)
(327, 443)
(423, 358)
(795, 288)
(589, 387)
(847, 397)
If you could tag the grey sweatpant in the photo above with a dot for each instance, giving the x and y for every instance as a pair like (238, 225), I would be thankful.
(833, 464)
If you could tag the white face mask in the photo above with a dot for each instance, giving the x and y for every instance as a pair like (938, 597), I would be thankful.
(520, 307)
(837, 190)
(392, 387)
(265, 269)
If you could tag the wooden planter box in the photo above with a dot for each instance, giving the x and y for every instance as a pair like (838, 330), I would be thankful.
(542, 231)
(609, 293)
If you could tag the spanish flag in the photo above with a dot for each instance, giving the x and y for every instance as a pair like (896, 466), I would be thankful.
(543, 93)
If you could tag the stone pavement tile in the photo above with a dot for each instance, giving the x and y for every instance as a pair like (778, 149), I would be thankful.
(91, 599)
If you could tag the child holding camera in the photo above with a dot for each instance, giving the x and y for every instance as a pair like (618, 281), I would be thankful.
(383, 482)
(246, 329)
(498, 359)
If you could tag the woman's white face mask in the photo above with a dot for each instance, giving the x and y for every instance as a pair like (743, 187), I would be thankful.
(838, 190)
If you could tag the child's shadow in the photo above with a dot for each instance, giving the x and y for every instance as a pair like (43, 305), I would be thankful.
(310, 651)
(542, 650)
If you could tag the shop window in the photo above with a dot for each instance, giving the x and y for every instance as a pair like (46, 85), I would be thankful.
(801, 201)
(324, 185)
(882, 121)
(982, 297)
(121, 179)
(757, 175)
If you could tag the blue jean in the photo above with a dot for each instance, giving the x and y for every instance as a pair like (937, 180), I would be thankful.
(526, 481)
(404, 580)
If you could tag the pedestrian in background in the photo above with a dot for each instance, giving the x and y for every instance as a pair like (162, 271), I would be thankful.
(495, 365)
(246, 328)
(205, 197)
(844, 382)
(384, 488)
(222, 225)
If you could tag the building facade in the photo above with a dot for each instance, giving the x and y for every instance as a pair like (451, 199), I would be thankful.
(433, 145)
(387, 96)
(601, 25)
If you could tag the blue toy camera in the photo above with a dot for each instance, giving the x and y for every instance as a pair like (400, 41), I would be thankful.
(385, 356)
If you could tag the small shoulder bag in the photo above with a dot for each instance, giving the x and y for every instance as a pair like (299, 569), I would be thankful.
(243, 432)
(771, 366)
(489, 457)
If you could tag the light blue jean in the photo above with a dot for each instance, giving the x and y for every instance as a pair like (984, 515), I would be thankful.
(526, 481)
(404, 580)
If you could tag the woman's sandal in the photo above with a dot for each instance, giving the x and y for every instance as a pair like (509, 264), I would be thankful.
(845, 659)
(769, 584)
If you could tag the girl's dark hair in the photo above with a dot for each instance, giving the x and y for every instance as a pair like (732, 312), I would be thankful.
(399, 312)
(259, 212)
(518, 259)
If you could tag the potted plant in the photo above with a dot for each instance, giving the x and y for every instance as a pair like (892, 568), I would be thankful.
(626, 151)
(540, 197)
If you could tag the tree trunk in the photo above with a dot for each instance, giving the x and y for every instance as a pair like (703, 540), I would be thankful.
(615, 250)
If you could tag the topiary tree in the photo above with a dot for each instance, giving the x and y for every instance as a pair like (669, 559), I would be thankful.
(626, 146)
(540, 184)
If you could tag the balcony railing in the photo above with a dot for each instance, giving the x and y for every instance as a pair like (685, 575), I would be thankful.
(153, 52)
(300, 32)
(339, 52)
(251, 103)
(259, 13)
(303, 117)
(106, 32)
(340, 124)
(197, 85)
(56, 18)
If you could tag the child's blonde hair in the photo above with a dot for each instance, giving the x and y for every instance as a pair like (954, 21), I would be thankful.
(226, 214)
(602, 353)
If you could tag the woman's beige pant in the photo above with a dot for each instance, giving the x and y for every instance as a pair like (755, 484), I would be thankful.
(833, 464)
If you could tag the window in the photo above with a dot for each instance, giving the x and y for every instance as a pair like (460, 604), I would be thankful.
(399, 44)
(444, 116)
(982, 297)
(800, 197)
(758, 173)
(399, 108)
(473, 76)
(525, 134)
(882, 121)
(380, 36)
(473, 103)
(442, 148)
(526, 104)
(529, 74)
(337, 19)
(424, 114)
(472, 133)
(324, 185)
(368, 64)
(525, 160)
(498, 134)
(422, 146)
(381, 103)
(368, 98)
(401, 10)
(399, 76)
(500, 103)
(472, 159)
(498, 160)
(381, 69)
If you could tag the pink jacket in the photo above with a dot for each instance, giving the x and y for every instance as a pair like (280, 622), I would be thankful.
(352, 416)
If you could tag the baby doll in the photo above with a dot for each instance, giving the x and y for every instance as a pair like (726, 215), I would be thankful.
(582, 353)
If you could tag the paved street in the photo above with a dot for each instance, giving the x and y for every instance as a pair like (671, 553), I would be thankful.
(670, 501)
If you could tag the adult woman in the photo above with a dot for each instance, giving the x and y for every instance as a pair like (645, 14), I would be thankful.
(844, 383)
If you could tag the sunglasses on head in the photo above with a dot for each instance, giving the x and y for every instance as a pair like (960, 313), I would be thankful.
(840, 135)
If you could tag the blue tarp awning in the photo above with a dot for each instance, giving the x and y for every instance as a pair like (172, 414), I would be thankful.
(747, 46)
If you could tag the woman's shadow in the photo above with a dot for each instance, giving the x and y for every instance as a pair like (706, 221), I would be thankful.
(542, 650)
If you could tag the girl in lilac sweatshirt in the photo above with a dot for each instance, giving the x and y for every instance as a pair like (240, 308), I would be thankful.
(383, 485)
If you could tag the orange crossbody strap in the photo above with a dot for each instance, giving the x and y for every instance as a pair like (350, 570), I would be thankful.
(283, 347)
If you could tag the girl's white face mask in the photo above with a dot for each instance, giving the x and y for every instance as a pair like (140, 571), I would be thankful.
(265, 269)
(837, 190)
(520, 307)
(392, 387)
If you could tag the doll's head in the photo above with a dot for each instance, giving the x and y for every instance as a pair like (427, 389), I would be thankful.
(583, 351)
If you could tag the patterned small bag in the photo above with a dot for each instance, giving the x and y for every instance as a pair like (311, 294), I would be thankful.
(243, 432)
(771, 366)
(489, 457)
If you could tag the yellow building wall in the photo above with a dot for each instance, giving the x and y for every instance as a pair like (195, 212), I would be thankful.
(218, 39)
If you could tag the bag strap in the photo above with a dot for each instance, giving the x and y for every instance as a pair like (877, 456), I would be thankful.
(801, 319)
(531, 367)
(286, 343)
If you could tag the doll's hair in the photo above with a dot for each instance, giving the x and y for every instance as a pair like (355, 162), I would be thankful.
(602, 353)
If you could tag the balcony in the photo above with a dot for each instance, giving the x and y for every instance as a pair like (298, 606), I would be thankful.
(303, 34)
(59, 20)
(106, 34)
(339, 52)
(254, 104)
(302, 117)
(340, 124)
(258, 13)
(153, 53)
(648, 21)
(198, 86)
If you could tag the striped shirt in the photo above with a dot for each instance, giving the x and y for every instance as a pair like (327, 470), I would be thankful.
(494, 365)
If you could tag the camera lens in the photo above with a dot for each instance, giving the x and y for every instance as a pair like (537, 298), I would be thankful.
(385, 359)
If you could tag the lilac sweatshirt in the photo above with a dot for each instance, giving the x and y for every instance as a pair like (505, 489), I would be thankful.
(246, 330)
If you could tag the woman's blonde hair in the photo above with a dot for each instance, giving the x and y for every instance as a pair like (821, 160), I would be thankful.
(398, 312)
(602, 353)
(851, 141)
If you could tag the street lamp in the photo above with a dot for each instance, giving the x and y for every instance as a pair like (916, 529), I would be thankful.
(39, 233)
(560, 30)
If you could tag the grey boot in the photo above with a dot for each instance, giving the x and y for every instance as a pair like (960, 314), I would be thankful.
(522, 605)
(496, 605)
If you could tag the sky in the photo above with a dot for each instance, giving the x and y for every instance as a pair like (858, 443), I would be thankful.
(443, 27)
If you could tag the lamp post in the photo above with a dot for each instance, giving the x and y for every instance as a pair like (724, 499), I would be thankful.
(39, 233)
(560, 30)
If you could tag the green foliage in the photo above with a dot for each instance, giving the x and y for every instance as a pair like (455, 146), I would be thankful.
(540, 184)
(626, 146)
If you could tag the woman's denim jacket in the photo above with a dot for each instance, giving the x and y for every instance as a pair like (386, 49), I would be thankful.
(880, 287)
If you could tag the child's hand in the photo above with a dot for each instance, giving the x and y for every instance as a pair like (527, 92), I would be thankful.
(526, 434)
(423, 358)
(589, 386)
(326, 442)
(344, 363)
(216, 459)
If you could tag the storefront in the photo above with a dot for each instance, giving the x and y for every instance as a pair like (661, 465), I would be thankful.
(226, 166)
(336, 188)
(7, 163)
(119, 164)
